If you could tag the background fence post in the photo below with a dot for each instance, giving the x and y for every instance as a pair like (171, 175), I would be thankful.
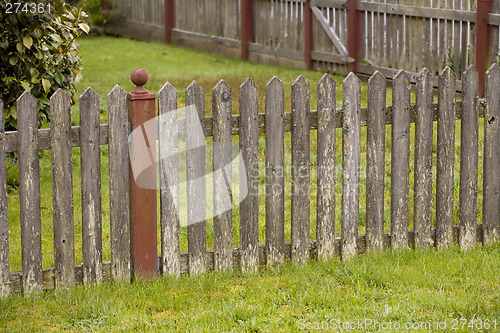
(143, 234)
(169, 19)
(308, 38)
(483, 41)
(353, 34)
(246, 27)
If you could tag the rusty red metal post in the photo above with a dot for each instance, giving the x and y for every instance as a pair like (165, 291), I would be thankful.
(308, 38)
(483, 41)
(246, 27)
(353, 34)
(143, 221)
(169, 19)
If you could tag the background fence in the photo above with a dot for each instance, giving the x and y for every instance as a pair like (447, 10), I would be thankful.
(431, 227)
(328, 35)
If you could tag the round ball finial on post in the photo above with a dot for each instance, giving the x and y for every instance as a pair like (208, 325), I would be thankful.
(139, 78)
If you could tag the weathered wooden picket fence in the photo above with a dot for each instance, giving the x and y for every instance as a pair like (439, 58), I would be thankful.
(327, 35)
(247, 126)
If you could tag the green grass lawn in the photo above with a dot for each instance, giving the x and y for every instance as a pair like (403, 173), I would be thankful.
(401, 287)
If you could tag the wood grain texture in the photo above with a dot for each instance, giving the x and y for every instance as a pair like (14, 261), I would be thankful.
(326, 121)
(491, 165)
(29, 194)
(275, 171)
(222, 177)
(62, 189)
(445, 159)
(400, 161)
(351, 159)
(169, 180)
(249, 147)
(196, 187)
(4, 221)
(423, 162)
(119, 214)
(90, 154)
(468, 161)
(300, 224)
(375, 162)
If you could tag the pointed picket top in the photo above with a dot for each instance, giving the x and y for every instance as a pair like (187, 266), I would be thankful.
(274, 83)
(351, 78)
(377, 79)
(300, 80)
(424, 75)
(222, 86)
(326, 82)
(168, 91)
(116, 91)
(494, 70)
(89, 93)
(194, 88)
(471, 71)
(447, 72)
(27, 99)
(248, 84)
(402, 78)
(60, 94)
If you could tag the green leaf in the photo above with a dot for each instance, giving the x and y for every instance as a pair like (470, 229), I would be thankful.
(84, 27)
(26, 85)
(13, 61)
(28, 41)
(46, 85)
(19, 47)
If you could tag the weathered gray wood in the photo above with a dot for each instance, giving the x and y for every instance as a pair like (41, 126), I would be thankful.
(222, 180)
(90, 154)
(275, 172)
(329, 31)
(329, 3)
(326, 124)
(249, 147)
(423, 162)
(196, 187)
(169, 180)
(119, 214)
(468, 161)
(445, 159)
(4, 221)
(351, 159)
(400, 161)
(491, 173)
(375, 149)
(29, 194)
(300, 171)
(417, 11)
(62, 189)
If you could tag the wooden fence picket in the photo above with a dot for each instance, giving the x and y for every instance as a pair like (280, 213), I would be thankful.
(169, 180)
(119, 213)
(4, 221)
(62, 189)
(300, 225)
(445, 159)
(491, 165)
(375, 152)
(467, 216)
(196, 187)
(29, 194)
(90, 155)
(351, 159)
(222, 151)
(249, 146)
(423, 161)
(400, 160)
(326, 124)
(275, 172)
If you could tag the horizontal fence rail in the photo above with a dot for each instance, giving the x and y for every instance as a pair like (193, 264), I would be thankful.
(173, 127)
